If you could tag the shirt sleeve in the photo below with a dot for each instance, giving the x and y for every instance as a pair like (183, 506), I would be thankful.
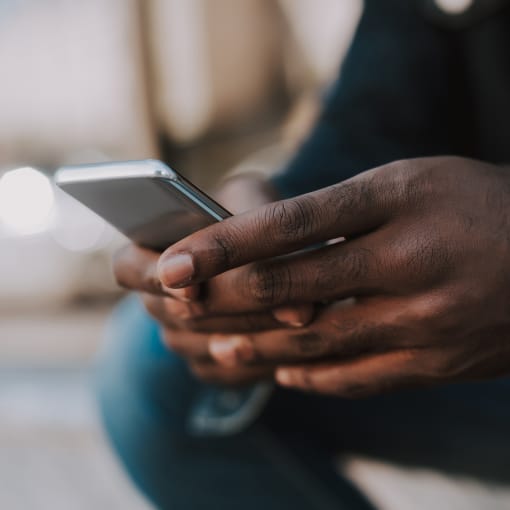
(399, 95)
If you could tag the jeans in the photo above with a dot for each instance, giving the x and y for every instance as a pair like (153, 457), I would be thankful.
(285, 457)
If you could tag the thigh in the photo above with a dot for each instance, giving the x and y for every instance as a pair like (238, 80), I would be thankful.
(460, 428)
(146, 394)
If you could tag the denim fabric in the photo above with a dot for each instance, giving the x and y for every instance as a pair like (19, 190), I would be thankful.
(285, 458)
(147, 395)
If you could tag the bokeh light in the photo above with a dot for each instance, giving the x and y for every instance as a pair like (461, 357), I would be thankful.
(26, 201)
(454, 6)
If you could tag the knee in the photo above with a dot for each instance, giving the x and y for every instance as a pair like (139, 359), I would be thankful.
(142, 389)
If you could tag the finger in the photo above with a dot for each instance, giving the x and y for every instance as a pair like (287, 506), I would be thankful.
(195, 346)
(187, 316)
(295, 316)
(245, 323)
(344, 330)
(231, 350)
(168, 311)
(330, 273)
(136, 268)
(186, 294)
(355, 379)
(346, 209)
(214, 374)
(187, 344)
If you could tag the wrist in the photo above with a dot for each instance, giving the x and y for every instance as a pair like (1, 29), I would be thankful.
(245, 191)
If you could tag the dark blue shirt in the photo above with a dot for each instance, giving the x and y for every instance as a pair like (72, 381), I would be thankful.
(415, 82)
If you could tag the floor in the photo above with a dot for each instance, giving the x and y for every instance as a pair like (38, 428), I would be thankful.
(53, 455)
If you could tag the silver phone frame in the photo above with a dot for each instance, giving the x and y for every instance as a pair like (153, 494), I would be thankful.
(147, 168)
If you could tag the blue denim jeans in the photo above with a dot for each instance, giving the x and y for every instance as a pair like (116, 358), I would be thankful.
(284, 458)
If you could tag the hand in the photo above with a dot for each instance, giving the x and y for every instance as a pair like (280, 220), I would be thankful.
(186, 331)
(427, 262)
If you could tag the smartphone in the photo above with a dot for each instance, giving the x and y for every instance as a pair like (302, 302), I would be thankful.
(147, 201)
(155, 207)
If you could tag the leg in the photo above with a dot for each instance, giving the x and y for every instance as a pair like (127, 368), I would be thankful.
(461, 428)
(145, 394)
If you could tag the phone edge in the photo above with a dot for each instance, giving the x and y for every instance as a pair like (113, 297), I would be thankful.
(113, 170)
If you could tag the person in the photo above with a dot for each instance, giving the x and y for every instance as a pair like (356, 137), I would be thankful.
(384, 265)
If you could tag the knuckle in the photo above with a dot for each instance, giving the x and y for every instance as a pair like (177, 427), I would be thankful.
(224, 251)
(292, 219)
(425, 313)
(435, 316)
(322, 271)
(398, 171)
(355, 337)
(356, 263)
(347, 195)
(417, 179)
(310, 344)
(452, 317)
(268, 284)
(357, 194)
(402, 182)
(426, 257)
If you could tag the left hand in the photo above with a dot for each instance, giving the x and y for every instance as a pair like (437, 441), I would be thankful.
(427, 262)
(186, 328)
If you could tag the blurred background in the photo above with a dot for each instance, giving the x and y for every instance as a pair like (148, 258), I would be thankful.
(206, 85)
(202, 84)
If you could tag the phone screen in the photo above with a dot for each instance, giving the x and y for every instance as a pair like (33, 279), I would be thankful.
(151, 211)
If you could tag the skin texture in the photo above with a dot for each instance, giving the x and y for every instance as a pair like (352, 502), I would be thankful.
(419, 294)
(187, 330)
(426, 267)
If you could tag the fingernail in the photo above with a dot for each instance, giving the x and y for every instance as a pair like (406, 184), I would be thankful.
(176, 270)
(232, 350)
(296, 316)
(178, 294)
(283, 377)
(186, 294)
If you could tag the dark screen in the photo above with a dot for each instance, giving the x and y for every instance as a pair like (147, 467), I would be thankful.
(150, 211)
